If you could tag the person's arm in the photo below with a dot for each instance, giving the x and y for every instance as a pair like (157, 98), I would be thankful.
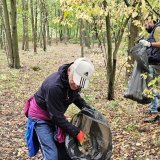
(155, 44)
(54, 99)
(157, 38)
(80, 102)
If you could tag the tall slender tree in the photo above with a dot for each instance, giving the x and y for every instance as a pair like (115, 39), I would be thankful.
(11, 33)
(25, 40)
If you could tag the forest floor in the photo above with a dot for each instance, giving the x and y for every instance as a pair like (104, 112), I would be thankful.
(132, 139)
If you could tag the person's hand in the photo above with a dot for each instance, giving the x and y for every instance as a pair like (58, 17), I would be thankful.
(80, 137)
(145, 43)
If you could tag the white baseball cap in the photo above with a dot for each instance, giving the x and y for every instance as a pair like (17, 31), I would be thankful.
(83, 70)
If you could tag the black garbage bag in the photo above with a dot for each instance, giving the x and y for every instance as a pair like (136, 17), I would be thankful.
(136, 86)
(139, 53)
(62, 153)
(98, 139)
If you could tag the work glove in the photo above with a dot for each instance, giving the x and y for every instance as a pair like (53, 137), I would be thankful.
(80, 137)
(145, 43)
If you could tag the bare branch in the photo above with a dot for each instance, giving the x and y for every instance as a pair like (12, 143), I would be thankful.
(152, 8)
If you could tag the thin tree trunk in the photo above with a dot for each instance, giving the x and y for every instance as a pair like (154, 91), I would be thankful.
(44, 18)
(34, 24)
(65, 34)
(133, 30)
(41, 28)
(26, 27)
(60, 33)
(8, 33)
(1, 28)
(81, 38)
(23, 20)
(14, 34)
(86, 35)
(56, 25)
(4, 36)
(48, 29)
(35, 27)
(25, 40)
(109, 60)
(77, 30)
(32, 19)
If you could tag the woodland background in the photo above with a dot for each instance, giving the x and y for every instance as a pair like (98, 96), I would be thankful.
(37, 36)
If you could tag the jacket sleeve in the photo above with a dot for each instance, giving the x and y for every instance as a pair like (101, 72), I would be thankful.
(80, 102)
(55, 107)
(157, 34)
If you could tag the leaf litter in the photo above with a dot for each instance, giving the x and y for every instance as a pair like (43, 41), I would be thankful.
(132, 139)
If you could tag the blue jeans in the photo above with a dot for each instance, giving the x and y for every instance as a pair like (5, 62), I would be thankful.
(45, 132)
(154, 102)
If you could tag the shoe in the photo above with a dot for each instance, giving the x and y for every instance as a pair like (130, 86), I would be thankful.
(155, 119)
(149, 112)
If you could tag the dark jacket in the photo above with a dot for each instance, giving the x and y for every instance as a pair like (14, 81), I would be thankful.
(153, 52)
(55, 96)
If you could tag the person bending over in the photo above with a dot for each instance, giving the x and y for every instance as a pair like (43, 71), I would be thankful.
(50, 102)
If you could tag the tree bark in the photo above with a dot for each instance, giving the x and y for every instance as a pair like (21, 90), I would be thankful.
(14, 34)
(133, 34)
(8, 33)
(81, 38)
(34, 24)
(26, 48)
(25, 40)
(109, 60)
(1, 28)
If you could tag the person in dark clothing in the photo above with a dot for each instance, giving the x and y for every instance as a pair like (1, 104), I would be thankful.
(50, 102)
(153, 52)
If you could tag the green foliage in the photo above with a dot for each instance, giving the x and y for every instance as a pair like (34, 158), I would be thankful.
(131, 127)
(89, 98)
(156, 141)
(68, 13)
(74, 40)
(113, 105)
(153, 85)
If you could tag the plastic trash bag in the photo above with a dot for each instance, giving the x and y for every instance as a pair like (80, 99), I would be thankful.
(97, 144)
(139, 53)
(136, 85)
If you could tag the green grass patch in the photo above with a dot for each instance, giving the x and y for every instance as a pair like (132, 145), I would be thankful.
(131, 127)
(113, 105)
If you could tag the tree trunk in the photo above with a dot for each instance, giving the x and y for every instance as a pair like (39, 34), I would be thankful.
(60, 33)
(8, 34)
(41, 29)
(65, 35)
(77, 30)
(48, 29)
(35, 27)
(14, 34)
(1, 28)
(109, 60)
(34, 24)
(44, 36)
(32, 19)
(112, 57)
(56, 28)
(26, 48)
(133, 30)
(86, 35)
(81, 38)
(44, 21)
(23, 21)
